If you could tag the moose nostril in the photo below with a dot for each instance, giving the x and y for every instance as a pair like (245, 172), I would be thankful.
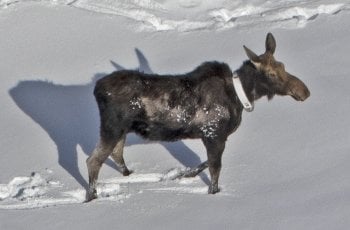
(306, 94)
(300, 91)
(300, 94)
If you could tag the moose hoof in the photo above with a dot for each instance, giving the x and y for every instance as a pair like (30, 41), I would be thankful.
(90, 195)
(213, 189)
(126, 172)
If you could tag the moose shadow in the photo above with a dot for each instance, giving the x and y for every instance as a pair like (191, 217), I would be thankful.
(70, 117)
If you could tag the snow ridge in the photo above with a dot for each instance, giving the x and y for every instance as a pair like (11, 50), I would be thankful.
(183, 16)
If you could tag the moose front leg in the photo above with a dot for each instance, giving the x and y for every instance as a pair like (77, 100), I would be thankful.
(195, 171)
(215, 149)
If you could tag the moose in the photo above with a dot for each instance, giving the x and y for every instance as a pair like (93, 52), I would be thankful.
(206, 104)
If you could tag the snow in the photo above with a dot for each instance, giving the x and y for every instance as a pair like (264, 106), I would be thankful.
(286, 167)
(209, 15)
(187, 15)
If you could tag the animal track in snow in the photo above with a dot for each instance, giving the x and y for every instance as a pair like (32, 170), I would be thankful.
(37, 191)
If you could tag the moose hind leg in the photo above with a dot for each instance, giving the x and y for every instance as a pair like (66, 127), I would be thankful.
(117, 155)
(195, 171)
(94, 163)
(214, 152)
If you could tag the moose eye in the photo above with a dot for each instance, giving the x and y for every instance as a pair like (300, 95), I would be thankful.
(273, 75)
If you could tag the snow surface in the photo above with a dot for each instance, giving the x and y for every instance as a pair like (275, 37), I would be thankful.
(190, 15)
(287, 166)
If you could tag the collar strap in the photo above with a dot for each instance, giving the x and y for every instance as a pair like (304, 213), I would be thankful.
(247, 105)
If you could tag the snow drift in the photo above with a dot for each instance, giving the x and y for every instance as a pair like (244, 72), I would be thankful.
(184, 15)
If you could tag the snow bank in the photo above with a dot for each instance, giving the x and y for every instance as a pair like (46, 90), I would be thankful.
(182, 15)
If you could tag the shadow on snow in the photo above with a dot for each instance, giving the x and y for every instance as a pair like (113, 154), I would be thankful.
(70, 117)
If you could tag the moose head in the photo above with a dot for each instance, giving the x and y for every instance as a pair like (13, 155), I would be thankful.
(276, 79)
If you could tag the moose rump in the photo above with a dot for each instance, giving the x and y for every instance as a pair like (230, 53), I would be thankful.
(168, 108)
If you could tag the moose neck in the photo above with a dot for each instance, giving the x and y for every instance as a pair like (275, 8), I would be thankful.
(254, 83)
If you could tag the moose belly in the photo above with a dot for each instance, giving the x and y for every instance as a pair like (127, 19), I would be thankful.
(163, 132)
(168, 126)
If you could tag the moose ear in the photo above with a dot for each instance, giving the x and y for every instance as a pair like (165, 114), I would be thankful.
(255, 59)
(270, 44)
(251, 55)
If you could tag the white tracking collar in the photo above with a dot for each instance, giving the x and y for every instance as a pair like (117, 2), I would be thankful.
(249, 107)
